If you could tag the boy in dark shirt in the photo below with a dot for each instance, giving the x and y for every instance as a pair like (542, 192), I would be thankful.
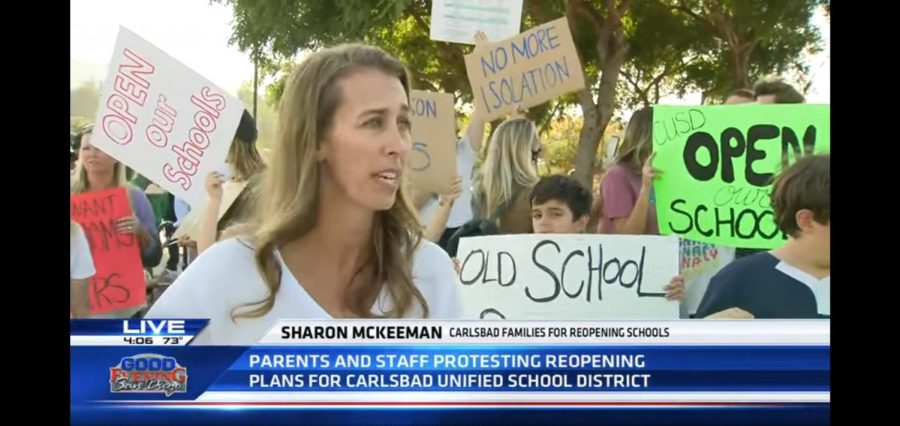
(793, 281)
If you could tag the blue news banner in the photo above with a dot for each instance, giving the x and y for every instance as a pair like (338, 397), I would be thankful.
(162, 378)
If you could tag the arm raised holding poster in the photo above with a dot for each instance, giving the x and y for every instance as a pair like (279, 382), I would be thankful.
(438, 223)
(627, 188)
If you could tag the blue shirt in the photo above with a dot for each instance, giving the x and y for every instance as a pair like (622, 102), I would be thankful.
(764, 286)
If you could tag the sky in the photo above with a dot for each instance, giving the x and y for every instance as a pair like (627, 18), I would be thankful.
(196, 33)
(193, 31)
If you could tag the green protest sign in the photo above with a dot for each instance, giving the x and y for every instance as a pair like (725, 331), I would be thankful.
(718, 163)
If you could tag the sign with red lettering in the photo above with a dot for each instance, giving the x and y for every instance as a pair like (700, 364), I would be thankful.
(162, 119)
(119, 281)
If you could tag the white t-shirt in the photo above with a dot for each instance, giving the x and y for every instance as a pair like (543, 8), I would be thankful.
(81, 263)
(225, 277)
(461, 212)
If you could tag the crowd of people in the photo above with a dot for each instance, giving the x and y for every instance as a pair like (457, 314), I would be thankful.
(326, 228)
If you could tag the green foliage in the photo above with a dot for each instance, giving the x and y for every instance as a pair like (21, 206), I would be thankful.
(670, 46)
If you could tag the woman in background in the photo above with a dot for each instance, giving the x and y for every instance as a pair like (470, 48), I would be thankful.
(245, 165)
(503, 184)
(626, 192)
(97, 171)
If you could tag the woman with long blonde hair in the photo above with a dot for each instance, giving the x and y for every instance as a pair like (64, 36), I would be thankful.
(504, 182)
(97, 171)
(626, 190)
(334, 235)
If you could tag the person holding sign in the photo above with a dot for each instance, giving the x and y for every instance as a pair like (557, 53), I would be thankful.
(443, 214)
(626, 191)
(334, 236)
(245, 165)
(793, 281)
(503, 184)
(81, 269)
(97, 171)
(561, 205)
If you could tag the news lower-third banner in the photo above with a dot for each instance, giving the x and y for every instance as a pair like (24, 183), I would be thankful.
(745, 367)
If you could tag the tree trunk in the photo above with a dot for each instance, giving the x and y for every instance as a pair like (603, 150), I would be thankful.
(740, 68)
(588, 139)
(596, 118)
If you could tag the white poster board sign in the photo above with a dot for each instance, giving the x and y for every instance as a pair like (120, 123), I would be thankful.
(567, 277)
(162, 119)
(699, 262)
(457, 21)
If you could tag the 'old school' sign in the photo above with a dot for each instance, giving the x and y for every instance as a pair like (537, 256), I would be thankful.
(562, 277)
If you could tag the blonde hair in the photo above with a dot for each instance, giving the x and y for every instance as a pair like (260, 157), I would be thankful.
(244, 159)
(73, 229)
(289, 197)
(637, 144)
(80, 183)
(508, 166)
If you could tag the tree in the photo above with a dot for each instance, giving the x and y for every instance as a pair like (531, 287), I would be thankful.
(266, 115)
(658, 47)
(756, 37)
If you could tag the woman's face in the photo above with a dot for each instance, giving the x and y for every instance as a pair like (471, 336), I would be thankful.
(365, 150)
(93, 159)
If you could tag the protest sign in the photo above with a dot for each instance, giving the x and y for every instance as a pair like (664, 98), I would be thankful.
(718, 163)
(699, 262)
(563, 277)
(119, 279)
(457, 21)
(162, 119)
(432, 161)
(528, 69)
(190, 225)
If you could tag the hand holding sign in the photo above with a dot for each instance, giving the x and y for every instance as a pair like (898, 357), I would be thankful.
(214, 186)
(448, 198)
(521, 112)
(480, 39)
(648, 173)
(675, 288)
(128, 224)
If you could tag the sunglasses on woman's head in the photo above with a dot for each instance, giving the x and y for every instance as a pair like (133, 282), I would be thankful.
(536, 154)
